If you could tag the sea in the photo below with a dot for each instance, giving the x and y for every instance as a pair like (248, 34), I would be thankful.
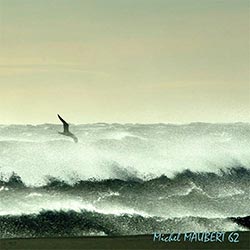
(124, 179)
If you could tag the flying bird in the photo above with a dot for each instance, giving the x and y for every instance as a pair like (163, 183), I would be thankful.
(66, 131)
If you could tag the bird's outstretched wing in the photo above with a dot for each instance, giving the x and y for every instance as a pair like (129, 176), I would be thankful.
(65, 124)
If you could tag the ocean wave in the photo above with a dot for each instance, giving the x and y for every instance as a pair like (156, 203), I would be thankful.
(187, 194)
(196, 180)
(109, 151)
(123, 179)
(71, 223)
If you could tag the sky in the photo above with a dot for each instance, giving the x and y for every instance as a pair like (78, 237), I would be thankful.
(125, 61)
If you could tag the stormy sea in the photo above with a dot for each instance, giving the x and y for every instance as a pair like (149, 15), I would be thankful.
(124, 179)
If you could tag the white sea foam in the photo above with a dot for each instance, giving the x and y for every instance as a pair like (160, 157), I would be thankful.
(121, 151)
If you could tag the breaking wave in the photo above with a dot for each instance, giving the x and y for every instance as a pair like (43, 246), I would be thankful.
(115, 151)
(124, 179)
(73, 224)
(187, 194)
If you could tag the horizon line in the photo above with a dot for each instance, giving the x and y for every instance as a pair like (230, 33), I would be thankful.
(123, 123)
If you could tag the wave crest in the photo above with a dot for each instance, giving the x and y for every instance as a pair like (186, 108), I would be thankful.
(71, 223)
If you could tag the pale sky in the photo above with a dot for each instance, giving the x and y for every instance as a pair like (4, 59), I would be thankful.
(144, 61)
